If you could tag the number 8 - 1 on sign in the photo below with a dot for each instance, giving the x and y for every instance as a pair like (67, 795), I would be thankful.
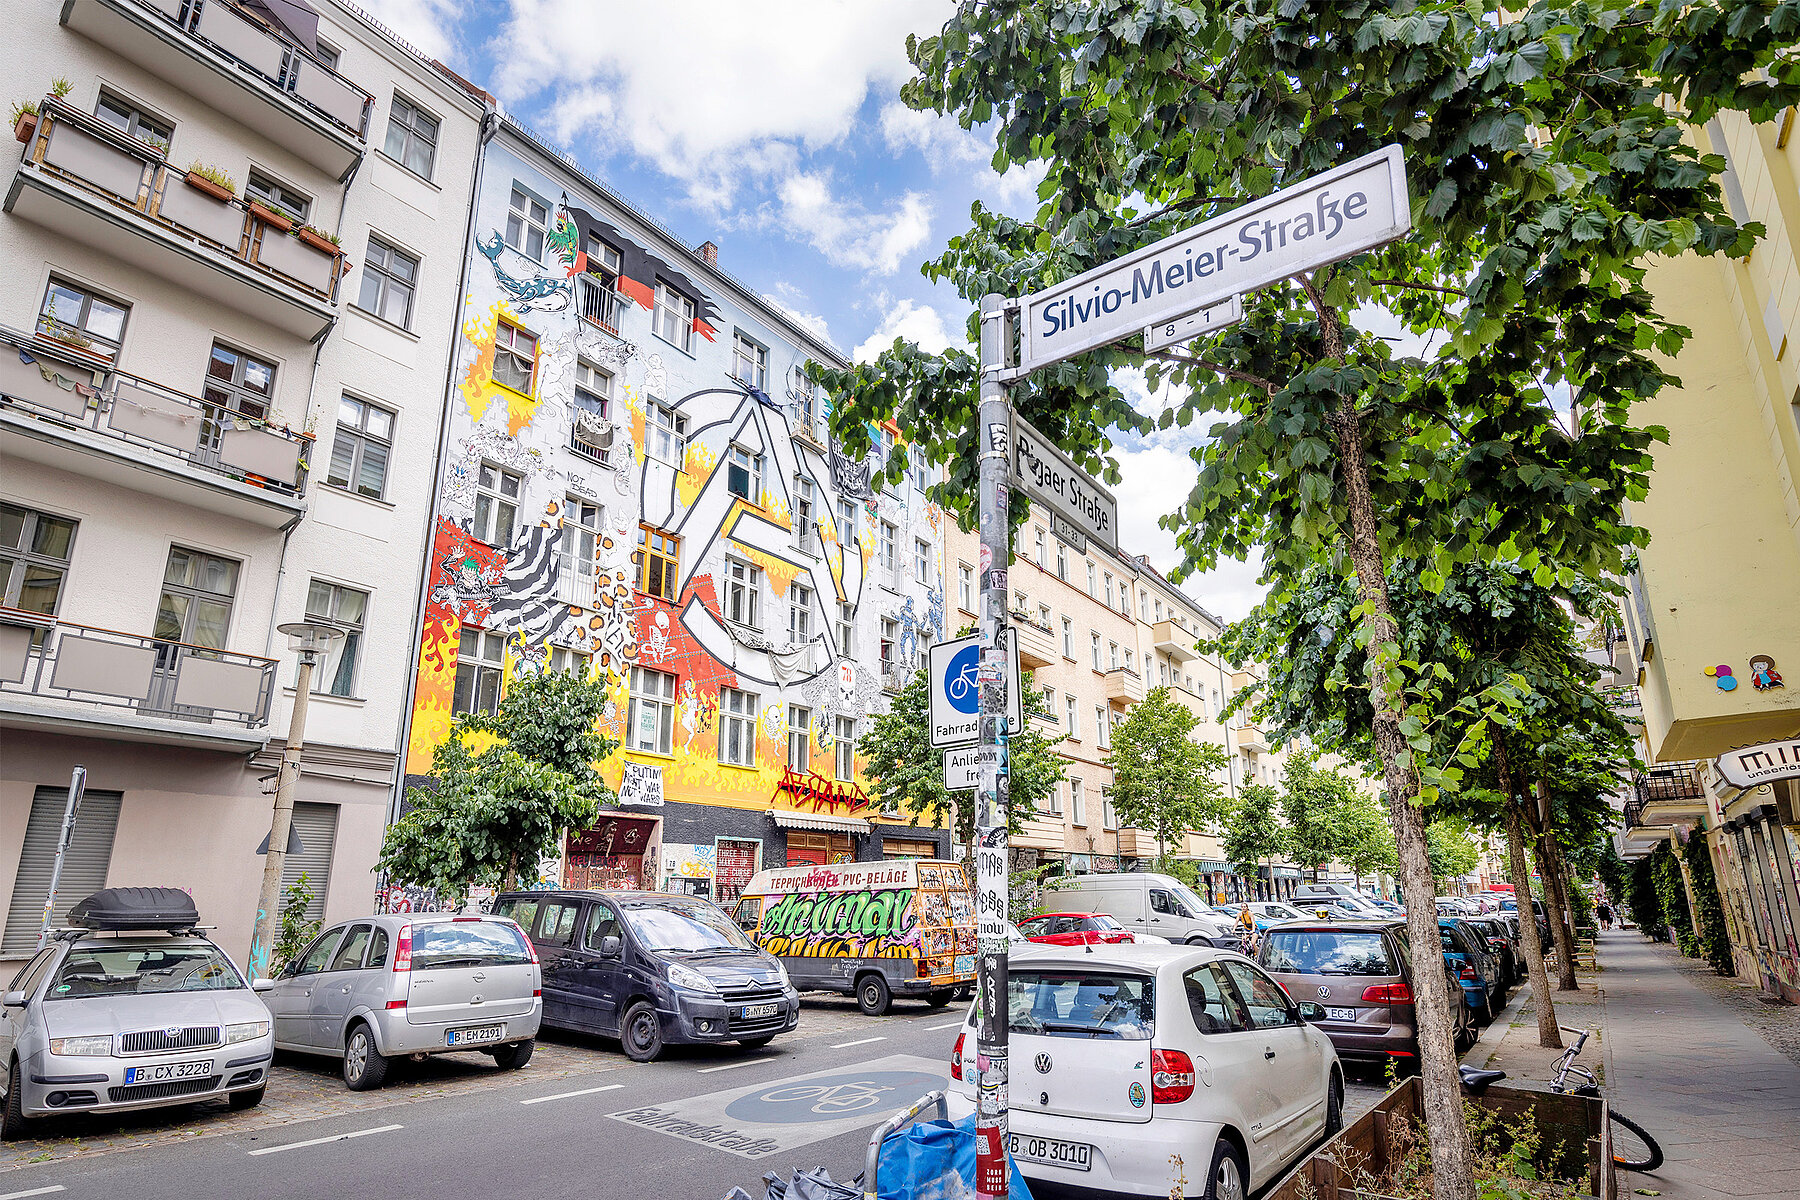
(1199, 323)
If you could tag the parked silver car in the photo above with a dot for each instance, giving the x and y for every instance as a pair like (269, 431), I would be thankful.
(378, 988)
(109, 1018)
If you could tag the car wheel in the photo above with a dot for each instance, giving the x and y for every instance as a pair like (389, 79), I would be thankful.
(938, 998)
(365, 1067)
(239, 1101)
(872, 995)
(1465, 1028)
(514, 1055)
(1200, 940)
(1334, 1105)
(1227, 1180)
(641, 1035)
(756, 1043)
(15, 1126)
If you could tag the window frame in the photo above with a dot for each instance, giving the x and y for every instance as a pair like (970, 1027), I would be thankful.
(344, 651)
(523, 223)
(800, 612)
(799, 738)
(739, 594)
(751, 465)
(664, 424)
(666, 557)
(195, 592)
(277, 196)
(921, 561)
(484, 521)
(89, 297)
(594, 384)
(753, 359)
(1068, 641)
(379, 259)
(679, 311)
(411, 131)
(737, 727)
(161, 128)
(662, 702)
(18, 559)
(507, 338)
(844, 745)
(965, 587)
(483, 670)
(359, 438)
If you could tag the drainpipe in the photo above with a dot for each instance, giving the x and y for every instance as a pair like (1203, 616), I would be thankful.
(490, 126)
(287, 531)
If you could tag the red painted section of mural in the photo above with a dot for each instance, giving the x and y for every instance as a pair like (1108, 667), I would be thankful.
(464, 576)
(822, 793)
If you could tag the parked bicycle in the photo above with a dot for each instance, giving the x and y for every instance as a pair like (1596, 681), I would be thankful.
(1633, 1149)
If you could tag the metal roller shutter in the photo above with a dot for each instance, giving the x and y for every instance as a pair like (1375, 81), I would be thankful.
(316, 827)
(84, 867)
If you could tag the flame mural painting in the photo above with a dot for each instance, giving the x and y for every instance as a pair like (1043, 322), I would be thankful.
(622, 496)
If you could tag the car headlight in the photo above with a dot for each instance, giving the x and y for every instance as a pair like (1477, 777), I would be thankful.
(87, 1047)
(687, 977)
(246, 1031)
(781, 971)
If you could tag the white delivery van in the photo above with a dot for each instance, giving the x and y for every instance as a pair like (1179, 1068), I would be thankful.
(1343, 893)
(1144, 902)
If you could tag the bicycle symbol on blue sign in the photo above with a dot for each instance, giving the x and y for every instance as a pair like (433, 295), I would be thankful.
(960, 684)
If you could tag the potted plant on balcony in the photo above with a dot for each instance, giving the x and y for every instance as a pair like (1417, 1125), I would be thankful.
(25, 119)
(324, 243)
(211, 180)
(277, 219)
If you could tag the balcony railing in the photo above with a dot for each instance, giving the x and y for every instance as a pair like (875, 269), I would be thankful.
(152, 677)
(1670, 781)
(1124, 686)
(575, 587)
(599, 304)
(133, 177)
(209, 438)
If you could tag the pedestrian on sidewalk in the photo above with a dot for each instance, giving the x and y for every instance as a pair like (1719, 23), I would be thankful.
(1605, 914)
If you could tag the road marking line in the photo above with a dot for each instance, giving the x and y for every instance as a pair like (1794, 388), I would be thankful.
(864, 1042)
(611, 1087)
(732, 1066)
(341, 1137)
(946, 1025)
(43, 1191)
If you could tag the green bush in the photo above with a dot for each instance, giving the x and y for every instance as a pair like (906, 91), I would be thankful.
(1646, 907)
(1671, 894)
(296, 930)
(1714, 940)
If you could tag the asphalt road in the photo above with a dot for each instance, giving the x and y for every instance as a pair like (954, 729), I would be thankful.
(689, 1127)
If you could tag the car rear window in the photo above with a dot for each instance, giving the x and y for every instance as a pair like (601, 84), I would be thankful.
(467, 944)
(142, 970)
(1327, 952)
(1102, 921)
(1078, 1003)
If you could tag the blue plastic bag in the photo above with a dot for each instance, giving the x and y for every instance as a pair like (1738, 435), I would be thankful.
(935, 1160)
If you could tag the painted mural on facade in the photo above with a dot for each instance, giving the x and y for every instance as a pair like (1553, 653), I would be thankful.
(664, 437)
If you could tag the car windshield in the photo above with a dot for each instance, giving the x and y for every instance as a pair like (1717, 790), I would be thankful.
(467, 944)
(1327, 952)
(1194, 904)
(684, 929)
(142, 971)
(1090, 1004)
(1280, 910)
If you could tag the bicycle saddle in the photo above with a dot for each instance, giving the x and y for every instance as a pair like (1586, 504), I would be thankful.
(1477, 1080)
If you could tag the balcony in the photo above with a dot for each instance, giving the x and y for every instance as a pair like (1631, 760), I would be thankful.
(60, 676)
(1641, 831)
(1124, 686)
(149, 438)
(1037, 645)
(600, 304)
(804, 421)
(1137, 843)
(1670, 792)
(229, 60)
(84, 179)
(1251, 737)
(1174, 641)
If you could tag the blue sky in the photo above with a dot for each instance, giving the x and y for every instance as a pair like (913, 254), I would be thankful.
(775, 129)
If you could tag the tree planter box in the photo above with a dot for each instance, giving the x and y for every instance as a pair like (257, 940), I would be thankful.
(202, 183)
(318, 241)
(26, 126)
(200, 209)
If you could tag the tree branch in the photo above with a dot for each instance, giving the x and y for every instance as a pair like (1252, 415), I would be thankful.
(1423, 287)
(1182, 206)
(1187, 360)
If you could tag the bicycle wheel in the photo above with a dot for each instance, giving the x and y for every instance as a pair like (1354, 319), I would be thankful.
(1633, 1149)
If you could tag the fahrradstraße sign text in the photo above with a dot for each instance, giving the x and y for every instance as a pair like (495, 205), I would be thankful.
(1344, 211)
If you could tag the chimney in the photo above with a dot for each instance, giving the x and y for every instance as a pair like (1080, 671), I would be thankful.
(708, 252)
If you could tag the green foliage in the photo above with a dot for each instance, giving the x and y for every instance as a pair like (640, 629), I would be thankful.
(1671, 898)
(1451, 849)
(22, 107)
(295, 931)
(1164, 780)
(489, 815)
(1642, 895)
(214, 174)
(61, 87)
(1327, 817)
(905, 772)
(1714, 942)
(1253, 832)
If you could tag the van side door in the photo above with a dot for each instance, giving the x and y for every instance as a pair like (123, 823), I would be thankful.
(555, 931)
(596, 977)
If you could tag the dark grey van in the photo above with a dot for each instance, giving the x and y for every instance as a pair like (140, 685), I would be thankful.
(652, 969)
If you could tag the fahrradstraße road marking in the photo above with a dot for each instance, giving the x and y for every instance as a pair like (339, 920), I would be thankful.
(338, 1137)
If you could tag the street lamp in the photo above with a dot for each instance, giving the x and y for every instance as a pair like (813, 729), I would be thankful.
(310, 641)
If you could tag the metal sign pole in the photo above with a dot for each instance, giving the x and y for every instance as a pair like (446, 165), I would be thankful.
(77, 785)
(991, 794)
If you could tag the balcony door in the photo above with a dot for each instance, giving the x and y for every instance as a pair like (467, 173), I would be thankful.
(238, 385)
(193, 616)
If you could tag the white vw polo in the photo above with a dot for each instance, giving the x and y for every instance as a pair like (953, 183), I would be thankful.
(1124, 1056)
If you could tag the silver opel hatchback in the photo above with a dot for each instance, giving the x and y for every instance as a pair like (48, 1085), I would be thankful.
(379, 988)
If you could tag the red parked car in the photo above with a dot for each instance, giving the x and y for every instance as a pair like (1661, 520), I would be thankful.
(1074, 929)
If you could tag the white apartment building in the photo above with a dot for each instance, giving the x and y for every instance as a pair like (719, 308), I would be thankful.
(219, 412)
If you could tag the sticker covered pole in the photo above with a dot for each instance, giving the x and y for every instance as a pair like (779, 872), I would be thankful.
(991, 792)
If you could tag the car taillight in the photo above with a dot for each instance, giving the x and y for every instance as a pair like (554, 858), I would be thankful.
(1388, 993)
(1171, 1076)
(1467, 973)
(924, 968)
(393, 1004)
(403, 949)
(956, 1071)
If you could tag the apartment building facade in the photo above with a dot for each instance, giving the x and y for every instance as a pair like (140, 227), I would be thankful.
(638, 486)
(219, 399)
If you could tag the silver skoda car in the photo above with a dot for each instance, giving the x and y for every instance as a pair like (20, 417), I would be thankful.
(376, 988)
(133, 1009)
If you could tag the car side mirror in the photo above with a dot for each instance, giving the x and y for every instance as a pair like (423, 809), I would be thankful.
(262, 985)
(611, 946)
(13, 1000)
(1311, 1012)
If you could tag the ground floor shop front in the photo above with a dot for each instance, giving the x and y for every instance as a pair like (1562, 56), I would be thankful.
(1754, 851)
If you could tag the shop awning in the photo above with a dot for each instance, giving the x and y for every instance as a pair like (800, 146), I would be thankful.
(819, 820)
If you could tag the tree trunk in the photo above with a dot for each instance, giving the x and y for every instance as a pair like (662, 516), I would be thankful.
(1549, 1033)
(1452, 1156)
(1556, 901)
(512, 872)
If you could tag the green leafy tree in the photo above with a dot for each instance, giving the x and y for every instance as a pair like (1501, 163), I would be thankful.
(1253, 832)
(1369, 844)
(1452, 851)
(1164, 780)
(905, 772)
(1321, 806)
(489, 813)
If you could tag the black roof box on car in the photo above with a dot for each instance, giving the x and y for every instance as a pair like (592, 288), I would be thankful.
(136, 908)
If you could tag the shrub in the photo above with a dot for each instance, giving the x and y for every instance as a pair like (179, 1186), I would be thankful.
(214, 175)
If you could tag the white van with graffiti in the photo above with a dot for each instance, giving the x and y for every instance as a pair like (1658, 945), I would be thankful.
(873, 930)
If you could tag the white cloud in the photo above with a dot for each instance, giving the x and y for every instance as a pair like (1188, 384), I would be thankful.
(942, 141)
(786, 299)
(1156, 480)
(915, 322)
(845, 232)
(430, 26)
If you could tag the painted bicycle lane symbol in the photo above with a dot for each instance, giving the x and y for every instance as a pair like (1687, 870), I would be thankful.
(832, 1097)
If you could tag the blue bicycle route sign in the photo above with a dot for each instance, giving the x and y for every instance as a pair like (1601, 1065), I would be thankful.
(956, 690)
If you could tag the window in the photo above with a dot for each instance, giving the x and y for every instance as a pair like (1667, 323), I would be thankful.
(885, 548)
(236, 382)
(805, 506)
(1073, 721)
(126, 117)
(1094, 648)
(1068, 638)
(582, 521)
(526, 219)
(1062, 562)
(965, 587)
(921, 469)
(1269, 1005)
(1214, 1002)
(800, 613)
(564, 660)
(799, 738)
(883, 444)
(1091, 583)
(1077, 802)
(749, 362)
(741, 587)
(1128, 665)
(1048, 699)
(350, 953)
(411, 137)
(673, 319)
(1162, 667)
(388, 279)
(651, 723)
(921, 560)
(743, 474)
(1038, 546)
(1112, 655)
(327, 57)
(846, 627)
(359, 452)
(35, 549)
(737, 727)
(846, 748)
(84, 865)
(603, 261)
(847, 523)
(602, 922)
(1108, 592)
(668, 434)
(1159, 610)
(83, 318)
(1108, 818)
(496, 504)
(1100, 726)
(890, 635)
(557, 925)
(278, 196)
(344, 608)
(515, 357)
(590, 430)
(480, 664)
(195, 606)
(1053, 800)
(1043, 617)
